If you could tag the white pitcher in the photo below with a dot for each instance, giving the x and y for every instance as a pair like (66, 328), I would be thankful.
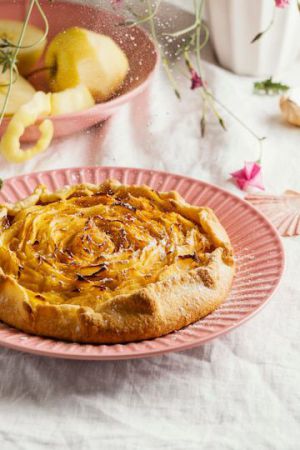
(234, 23)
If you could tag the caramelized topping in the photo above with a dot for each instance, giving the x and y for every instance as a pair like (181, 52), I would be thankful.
(86, 249)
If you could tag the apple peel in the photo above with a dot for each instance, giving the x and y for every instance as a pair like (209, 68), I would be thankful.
(27, 114)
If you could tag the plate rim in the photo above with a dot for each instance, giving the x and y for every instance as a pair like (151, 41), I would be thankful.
(179, 346)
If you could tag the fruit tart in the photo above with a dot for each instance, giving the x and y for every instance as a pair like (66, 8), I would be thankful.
(110, 263)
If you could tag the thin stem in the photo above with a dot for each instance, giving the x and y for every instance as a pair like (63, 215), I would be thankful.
(164, 59)
(198, 8)
(24, 47)
(195, 8)
(187, 46)
(146, 18)
(2, 85)
(261, 33)
(14, 58)
(209, 98)
(170, 76)
(46, 23)
(131, 10)
(259, 138)
(260, 157)
(150, 19)
(204, 92)
(184, 30)
(187, 60)
(194, 26)
(18, 47)
(206, 37)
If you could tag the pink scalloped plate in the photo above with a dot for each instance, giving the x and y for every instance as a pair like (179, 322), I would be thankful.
(139, 48)
(257, 246)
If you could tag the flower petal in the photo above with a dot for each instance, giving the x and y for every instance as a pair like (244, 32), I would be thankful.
(257, 181)
(249, 175)
(252, 168)
(282, 3)
(239, 174)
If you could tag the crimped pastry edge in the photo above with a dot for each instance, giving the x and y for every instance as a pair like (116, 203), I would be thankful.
(152, 311)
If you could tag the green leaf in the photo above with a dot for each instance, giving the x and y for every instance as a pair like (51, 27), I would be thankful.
(1, 184)
(270, 87)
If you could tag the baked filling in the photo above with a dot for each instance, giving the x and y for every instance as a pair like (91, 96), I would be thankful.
(86, 245)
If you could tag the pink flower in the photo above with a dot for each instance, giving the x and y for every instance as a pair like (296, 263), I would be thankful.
(196, 80)
(250, 175)
(282, 3)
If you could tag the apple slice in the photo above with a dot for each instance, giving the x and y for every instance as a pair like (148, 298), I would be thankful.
(27, 57)
(27, 115)
(21, 92)
(71, 100)
(80, 56)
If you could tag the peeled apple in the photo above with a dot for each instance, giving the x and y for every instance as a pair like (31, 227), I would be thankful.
(21, 92)
(80, 56)
(27, 57)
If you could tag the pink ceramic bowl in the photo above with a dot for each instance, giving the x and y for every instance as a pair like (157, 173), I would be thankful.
(139, 48)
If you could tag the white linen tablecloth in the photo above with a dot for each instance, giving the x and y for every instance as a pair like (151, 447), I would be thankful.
(240, 391)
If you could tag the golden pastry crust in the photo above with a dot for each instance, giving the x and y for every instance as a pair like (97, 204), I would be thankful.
(110, 263)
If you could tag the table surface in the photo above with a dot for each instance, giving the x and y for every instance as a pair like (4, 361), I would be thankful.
(239, 391)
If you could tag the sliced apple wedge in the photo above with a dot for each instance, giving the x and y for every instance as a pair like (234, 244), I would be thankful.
(80, 56)
(27, 57)
(21, 92)
(26, 115)
(71, 100)
(39, 105)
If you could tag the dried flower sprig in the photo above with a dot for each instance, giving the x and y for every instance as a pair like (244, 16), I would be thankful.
(192, 45)
(1, 184)
(270, 87)
(196, 73)
(277, 4)
(6, 56)
(9, 52)
(262, 33)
